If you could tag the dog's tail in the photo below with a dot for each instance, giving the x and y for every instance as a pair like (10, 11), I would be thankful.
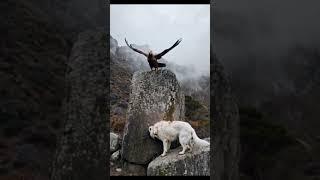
(197, 141)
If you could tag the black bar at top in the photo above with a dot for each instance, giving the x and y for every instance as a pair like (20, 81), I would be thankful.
(159, 2)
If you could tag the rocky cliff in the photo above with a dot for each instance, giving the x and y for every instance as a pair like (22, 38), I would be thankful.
(82, 149)
(226, 138)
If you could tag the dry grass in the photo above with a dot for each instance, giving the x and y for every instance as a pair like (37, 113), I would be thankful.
(199, 123)
(117, 123)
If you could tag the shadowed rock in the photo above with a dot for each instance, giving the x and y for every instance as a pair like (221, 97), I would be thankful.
(155, 96)
(83, 145)
(225, 126)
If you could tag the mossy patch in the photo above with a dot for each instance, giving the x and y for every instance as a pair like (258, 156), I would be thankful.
(163, 171)
(195, 110)
(198, 116)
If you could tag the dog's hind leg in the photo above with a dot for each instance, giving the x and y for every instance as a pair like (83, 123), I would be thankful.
(184, 148)
(184, 139)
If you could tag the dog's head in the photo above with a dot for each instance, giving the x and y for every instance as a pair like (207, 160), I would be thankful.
(153, 132)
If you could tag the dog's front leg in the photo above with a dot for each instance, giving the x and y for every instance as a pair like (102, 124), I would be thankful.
(165, 146)
(168, 145)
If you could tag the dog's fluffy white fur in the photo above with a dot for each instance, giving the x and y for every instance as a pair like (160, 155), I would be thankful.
(169, 131)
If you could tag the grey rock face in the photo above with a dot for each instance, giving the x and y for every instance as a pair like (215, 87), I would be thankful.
(155, 96)
(83, 145)
(196, 163)
(226, 141)
(114, 142)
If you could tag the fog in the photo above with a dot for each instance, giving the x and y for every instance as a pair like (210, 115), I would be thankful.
(159, 26)
(254, 39)
(266, 28)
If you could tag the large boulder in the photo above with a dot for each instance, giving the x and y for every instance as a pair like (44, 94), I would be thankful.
(196, 163)
(155, 96)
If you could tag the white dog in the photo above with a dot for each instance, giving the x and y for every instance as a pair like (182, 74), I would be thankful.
(169, 131)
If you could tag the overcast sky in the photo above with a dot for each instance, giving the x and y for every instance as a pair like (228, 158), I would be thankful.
(160, 26)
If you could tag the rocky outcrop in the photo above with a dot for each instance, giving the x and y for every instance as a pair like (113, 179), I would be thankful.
(115, 156)
(83, 145)
(113, 45)
(196, 163)
(155, 96)
(114, 142)
(224, 112)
